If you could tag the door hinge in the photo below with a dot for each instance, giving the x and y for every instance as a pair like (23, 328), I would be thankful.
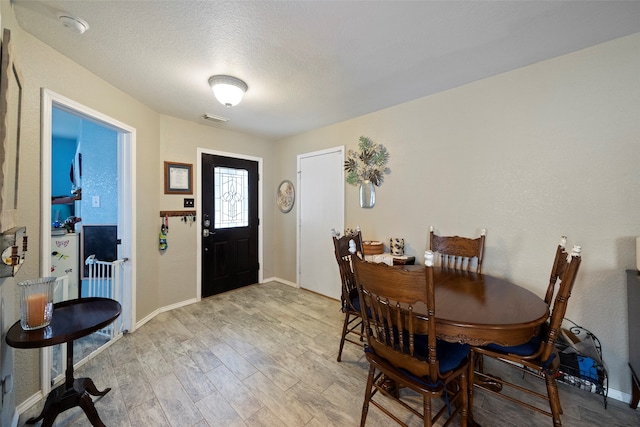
(118, 241)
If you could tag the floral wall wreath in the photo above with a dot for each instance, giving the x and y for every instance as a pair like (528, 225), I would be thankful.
(369, 163)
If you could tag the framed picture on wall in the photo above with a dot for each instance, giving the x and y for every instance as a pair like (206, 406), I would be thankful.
(286, 196)
(178, 178)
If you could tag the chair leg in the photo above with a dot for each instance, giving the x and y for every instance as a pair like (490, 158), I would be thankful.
(470, 382)
(465, 390)
(554, 399)
(344, 334)
(427, 411)
(367, 395)
(479, 363)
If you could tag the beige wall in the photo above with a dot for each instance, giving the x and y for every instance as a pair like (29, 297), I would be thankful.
(179, 143)
(531, 154)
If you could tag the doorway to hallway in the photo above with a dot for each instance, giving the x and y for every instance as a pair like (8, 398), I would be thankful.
(95, 193)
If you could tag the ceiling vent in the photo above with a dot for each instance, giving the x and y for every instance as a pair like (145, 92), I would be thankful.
(213, 118)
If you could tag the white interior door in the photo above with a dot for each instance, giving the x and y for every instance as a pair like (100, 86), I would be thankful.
(320, 209)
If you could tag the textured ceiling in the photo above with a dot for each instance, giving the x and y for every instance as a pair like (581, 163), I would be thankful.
(313, 63)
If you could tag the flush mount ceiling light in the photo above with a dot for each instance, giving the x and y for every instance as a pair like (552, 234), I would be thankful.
(76, 25)
(227, 90)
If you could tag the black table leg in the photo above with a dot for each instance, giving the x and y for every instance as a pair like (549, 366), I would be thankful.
(74, 392)
(90, 411)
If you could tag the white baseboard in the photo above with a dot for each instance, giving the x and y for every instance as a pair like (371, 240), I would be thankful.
(284, 282)
(28, 403)
(619, 395)
(163, 309)
(154, 313)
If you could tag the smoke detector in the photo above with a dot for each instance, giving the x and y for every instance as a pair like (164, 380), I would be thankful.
(76, 25)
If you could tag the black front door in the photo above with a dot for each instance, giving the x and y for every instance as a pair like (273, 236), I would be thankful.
(229, 223)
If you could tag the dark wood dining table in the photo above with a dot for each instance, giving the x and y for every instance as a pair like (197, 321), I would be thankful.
(71, 320)
(479, 309)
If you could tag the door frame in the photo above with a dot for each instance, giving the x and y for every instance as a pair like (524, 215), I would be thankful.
(200, 152)
(126, 199)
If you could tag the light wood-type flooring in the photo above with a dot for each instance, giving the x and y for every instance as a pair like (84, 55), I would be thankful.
(265, 355)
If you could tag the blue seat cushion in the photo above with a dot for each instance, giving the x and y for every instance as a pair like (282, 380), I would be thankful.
(355, 302)
(450, 355)
(525, 349)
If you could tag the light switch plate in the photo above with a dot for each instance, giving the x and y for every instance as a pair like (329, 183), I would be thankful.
(189, 203)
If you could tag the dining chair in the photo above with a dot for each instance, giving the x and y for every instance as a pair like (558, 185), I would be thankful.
(559, 266)
(402, 346)
(344, 247)
(458, 252)
(538, 357)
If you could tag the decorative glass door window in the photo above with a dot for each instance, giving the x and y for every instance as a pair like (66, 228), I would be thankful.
(231, 203)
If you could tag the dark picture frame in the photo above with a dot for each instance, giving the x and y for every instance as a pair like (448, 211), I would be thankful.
(178, 178)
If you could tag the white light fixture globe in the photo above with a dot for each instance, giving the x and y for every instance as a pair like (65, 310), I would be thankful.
(227, 90)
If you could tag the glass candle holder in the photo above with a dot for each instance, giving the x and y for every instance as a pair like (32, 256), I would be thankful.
(36, 302)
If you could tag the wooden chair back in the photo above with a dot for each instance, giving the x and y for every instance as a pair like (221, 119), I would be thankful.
(458, 252)
(388, 296)
(343, 248)
(559, 266)
(569, 268)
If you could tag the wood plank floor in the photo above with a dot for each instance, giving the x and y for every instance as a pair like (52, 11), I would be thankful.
(265, 355)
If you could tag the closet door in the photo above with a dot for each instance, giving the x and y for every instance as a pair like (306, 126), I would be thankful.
(321, 209)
